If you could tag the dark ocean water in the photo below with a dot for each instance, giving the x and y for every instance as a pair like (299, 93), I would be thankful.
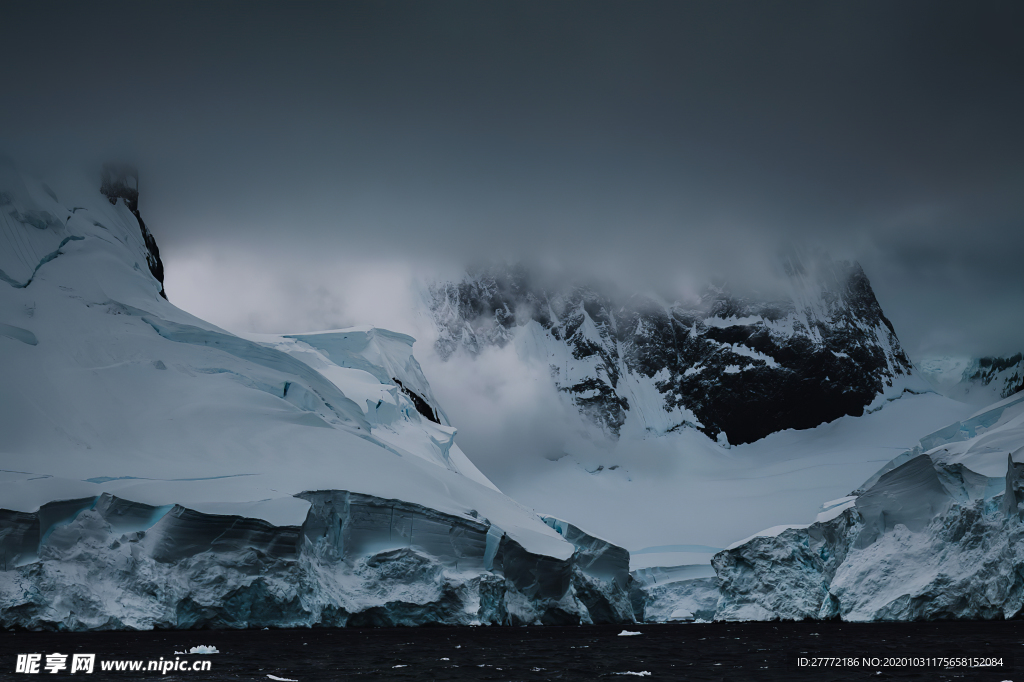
(713, 651)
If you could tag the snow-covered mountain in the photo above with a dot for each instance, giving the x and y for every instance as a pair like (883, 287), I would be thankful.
(937, 533)
(816, 384)
(735, 368)
(978, 381)
(157, 471)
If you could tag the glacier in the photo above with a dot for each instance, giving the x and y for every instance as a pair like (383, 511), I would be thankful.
(157, 471)
(674, 593)
(936, 533)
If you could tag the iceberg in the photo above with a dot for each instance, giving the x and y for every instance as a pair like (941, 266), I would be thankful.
(157, 471)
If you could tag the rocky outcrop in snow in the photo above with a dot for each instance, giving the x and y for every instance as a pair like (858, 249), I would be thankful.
(1005, 375)
(121, 181)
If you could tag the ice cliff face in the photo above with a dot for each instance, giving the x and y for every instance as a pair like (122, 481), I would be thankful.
(671, 593)
(109, 563)
(599, 565)
(936, 534)
(735, 368)
(156, 471)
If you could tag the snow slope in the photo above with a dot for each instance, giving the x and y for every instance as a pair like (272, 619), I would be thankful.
(684, 489)
(314, 474)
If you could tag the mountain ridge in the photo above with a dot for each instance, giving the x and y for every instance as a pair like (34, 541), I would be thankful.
(734, 367)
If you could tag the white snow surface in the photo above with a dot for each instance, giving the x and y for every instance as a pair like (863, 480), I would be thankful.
(682, 488)
(980, 441)
(985, 438)
(768, 533)
(109, 388)
(944, 372)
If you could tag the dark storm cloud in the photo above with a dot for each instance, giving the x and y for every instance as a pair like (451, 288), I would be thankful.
(640, 140)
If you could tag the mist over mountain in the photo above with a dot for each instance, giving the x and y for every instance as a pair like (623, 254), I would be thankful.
(978, 381)
(658, 145)
(736, 367)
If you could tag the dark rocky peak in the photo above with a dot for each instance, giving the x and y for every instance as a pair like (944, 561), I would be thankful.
(1007, 371)
(121, 181)
(742, 365)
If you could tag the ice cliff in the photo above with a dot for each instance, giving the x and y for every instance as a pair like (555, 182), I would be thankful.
(110, 563)
(669, 593)
(156, 471)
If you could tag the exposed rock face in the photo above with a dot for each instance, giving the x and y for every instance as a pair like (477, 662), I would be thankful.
(1005, 374)
(728, 365)
(121, 181)
(108, 563)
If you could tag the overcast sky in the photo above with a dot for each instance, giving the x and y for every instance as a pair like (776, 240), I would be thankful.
(301, 162)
